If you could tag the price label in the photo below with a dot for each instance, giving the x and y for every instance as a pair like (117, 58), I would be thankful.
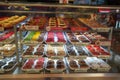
(55, 44)
(77, 57)
(103, 69)
(104, 56)
(29, 43)
(1, 57)
(75, 43)
(1, 70)
(84, 44)
(35, 42)
(73, 57)
(26, 42)
(32, 71)
(102, 29)
(56, 71)
(105, 43)
(82, 57)
(28, 56)
(81, 70)
(1, 29)
(48, 28)
(27, 27)
(56, 57)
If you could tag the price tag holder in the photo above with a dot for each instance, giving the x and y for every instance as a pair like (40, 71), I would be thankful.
(82, 57)
(56, 57)
(27, 27)
(105, 43)
(56, 71)
(55, 44)
(75, 43)
(36, 70)
(81, 70)
(76, 57)
(103, 69)
(1, 29)
(84, 44)
(104, 56)
(24, 41)
(1, 57)
(1, 70)
(102, 29)
(32, 71)
(28, 56)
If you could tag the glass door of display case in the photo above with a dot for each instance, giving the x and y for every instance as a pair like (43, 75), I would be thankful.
(58, 41)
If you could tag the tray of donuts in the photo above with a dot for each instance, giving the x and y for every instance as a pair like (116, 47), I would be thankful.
(97, 64)
(34, 51)
(33, 65)
(82, 38)
(55, 66)
(7, 50)
(55, 37)
(76, 52)
(72, 38)
(7, 64)
(34, 38)
(76, 65)
(55, 51)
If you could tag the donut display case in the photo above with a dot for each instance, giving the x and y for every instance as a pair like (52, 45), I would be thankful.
(39, 40)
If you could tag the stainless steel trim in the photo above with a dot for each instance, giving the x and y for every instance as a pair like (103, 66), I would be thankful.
(58, 5)
(80, 75)
(42, 12)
